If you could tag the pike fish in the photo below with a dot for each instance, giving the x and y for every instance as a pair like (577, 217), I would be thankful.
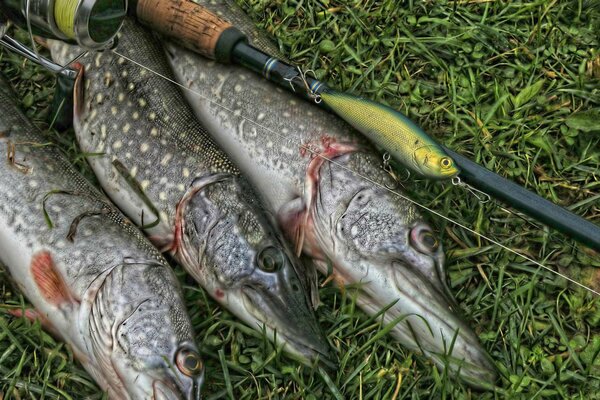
(162, 169)
(304, 162)
(92, 277)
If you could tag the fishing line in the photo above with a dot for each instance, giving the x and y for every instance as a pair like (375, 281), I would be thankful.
(64, 14)
(489, 239)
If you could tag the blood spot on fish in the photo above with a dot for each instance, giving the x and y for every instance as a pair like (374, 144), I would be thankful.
(327, 141)
(49, 280)
(219, 294)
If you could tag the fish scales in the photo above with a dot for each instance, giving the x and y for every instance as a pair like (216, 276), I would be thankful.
(105, 289)
(166, 173)
(371, 236)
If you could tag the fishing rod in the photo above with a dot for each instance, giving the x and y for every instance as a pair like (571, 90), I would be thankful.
(199, 30)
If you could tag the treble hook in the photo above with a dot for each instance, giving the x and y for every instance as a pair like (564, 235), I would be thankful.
(480, 195)
(302, 77)
(387, 167)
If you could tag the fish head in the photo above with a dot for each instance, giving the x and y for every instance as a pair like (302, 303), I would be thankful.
(162, 377)
(378, 241)
(149, 351)
(432, 162)
(275, 295)
(180, 378)
(248, 267)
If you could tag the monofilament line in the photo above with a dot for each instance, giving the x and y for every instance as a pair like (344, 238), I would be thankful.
(307, 148)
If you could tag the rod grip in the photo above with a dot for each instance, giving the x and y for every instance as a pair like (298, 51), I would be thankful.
(190, 25)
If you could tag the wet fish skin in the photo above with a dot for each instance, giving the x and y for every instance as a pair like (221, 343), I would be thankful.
(209, 217)
(97, 283)
(371, 236)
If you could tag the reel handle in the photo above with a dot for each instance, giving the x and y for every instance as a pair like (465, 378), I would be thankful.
(190, 25)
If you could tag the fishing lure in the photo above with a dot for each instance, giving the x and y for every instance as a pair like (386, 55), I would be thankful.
(394, 132)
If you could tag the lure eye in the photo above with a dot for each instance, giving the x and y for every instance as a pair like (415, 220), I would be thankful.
(423, 239)
(271, 259)
(446, 162)
(189, 362)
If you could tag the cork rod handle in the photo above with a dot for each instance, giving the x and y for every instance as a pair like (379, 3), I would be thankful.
(190, 25)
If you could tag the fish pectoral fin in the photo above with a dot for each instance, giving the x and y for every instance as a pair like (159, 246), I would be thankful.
(34, 315)
(78, 95)
(340, 282)
(50, 281)
(292, 218)
(162, 243)
(310, 276)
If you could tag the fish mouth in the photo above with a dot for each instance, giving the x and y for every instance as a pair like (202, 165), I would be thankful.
(448, 339)
(428, 321)
(165, 391)
(303, 339)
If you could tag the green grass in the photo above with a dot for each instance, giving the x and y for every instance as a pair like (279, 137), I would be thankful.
(513, 85)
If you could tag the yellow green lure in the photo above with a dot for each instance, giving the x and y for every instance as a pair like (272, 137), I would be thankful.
(394, 132)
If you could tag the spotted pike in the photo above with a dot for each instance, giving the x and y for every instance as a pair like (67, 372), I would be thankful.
(162, 169)
(370, 236)
(92, 277)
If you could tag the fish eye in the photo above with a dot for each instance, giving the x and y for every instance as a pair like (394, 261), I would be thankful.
(189, 362)
(423, 239)
(446, 162)
(429, 240)
(271, 259)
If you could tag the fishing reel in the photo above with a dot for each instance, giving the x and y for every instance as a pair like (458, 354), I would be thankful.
(92, 24)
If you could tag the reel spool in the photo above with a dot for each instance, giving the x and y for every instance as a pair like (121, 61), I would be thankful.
(92, 24)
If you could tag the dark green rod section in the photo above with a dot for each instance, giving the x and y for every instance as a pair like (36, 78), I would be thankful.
(527, 202)
(275, 70)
